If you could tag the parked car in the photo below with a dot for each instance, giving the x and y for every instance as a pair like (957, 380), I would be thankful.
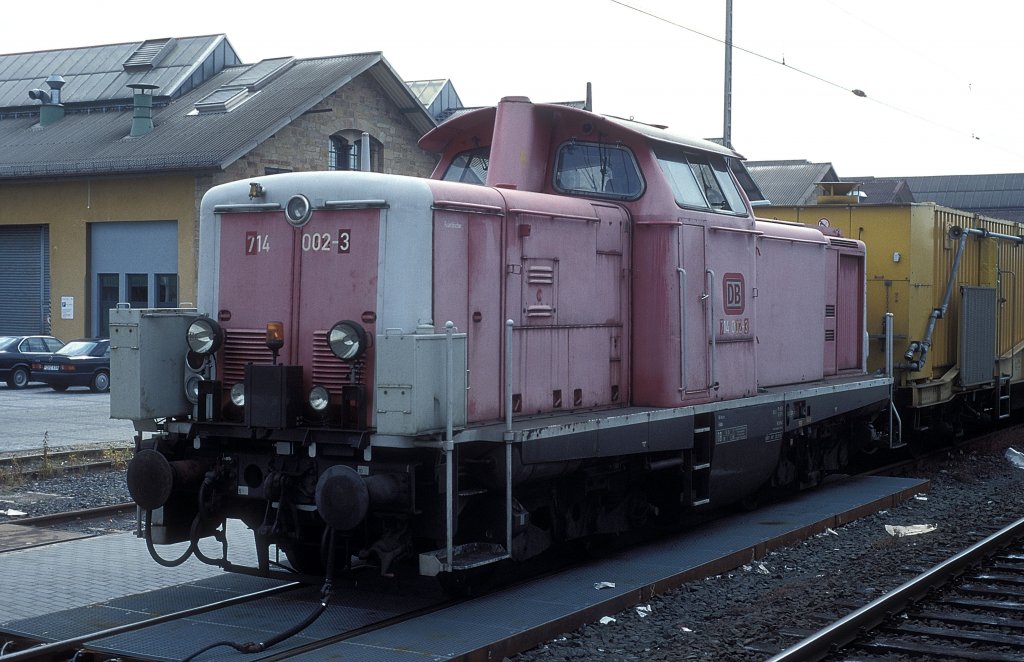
(17, 354)
(83, 362)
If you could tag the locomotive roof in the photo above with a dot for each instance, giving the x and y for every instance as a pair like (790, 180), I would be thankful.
(482, 120)
(664, 135)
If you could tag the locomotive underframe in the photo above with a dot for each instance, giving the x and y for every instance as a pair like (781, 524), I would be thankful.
(572, 476)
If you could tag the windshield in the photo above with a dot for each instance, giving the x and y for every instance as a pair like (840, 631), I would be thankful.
(7, 342)
(469, 167)
(78, 348)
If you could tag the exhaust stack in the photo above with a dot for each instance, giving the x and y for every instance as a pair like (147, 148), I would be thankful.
(142, 113)
(52, 110)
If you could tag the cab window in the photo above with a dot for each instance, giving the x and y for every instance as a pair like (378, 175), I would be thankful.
(469, 167)
(701, 181)
(597, 169)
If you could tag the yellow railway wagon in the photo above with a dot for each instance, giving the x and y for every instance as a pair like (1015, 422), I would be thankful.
(956, 297)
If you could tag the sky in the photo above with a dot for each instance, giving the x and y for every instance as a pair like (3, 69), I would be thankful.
(940, 80)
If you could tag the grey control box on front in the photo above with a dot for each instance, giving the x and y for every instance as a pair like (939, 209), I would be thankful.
(147, 362)
(412, 382)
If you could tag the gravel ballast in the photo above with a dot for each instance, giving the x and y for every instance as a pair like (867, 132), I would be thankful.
(749, 613)
(760, 609)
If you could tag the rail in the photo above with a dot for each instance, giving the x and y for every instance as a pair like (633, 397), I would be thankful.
(42, 651)
(826, 640)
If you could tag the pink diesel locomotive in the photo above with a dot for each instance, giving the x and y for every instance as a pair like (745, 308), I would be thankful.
(576, 326)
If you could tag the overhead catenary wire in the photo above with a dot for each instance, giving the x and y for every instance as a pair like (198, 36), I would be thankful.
(782, 62)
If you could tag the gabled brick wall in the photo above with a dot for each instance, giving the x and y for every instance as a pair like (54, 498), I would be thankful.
(303, 145)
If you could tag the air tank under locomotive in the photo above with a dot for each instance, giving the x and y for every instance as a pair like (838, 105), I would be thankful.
(576, 326)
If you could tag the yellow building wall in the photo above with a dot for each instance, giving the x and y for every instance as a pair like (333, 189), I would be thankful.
(69, 206)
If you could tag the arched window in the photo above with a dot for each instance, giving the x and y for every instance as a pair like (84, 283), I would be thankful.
(344, 152)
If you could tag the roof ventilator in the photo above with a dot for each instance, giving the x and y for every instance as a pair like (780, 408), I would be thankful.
(142, 114)
(52, 110)
(148, 54)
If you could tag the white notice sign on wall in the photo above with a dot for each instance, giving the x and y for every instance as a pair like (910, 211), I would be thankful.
(67, 308)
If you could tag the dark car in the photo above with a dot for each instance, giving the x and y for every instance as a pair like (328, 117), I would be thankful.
(17, 353)
(83, 362)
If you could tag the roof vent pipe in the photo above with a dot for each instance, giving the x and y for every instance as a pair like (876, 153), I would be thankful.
(142, 113)
(51, 110)
(364, 152)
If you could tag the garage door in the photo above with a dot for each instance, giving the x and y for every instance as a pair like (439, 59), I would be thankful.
(24, 279)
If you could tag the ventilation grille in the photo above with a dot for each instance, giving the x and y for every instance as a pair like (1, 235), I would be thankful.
(244, 346)
(148, 55)
(540, 310)
(540, 275)
(830, 310)
(328, 370)
(846, 243)
(830, 335)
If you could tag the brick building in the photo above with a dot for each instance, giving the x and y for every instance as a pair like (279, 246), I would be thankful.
(106, 152)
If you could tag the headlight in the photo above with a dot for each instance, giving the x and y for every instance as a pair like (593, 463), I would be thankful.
(192, 388)
(347, 340)
(195, 361)
(298, 210)
(238, 394)
(319, 398)
(204, 336)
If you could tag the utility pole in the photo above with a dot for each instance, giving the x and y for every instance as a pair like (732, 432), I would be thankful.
(727, 129)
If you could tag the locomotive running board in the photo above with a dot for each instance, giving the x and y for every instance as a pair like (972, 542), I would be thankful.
(464, 557)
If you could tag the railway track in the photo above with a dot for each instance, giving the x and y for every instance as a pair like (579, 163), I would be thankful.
(967, 607)
(23, 651)
(308, 644)
(97, 644)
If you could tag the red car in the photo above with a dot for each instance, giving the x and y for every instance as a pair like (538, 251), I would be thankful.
(17, 354)
(84, 362)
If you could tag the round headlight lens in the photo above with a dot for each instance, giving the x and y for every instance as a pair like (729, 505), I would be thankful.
(195, 362)
(238, 394)
(204, 336)
(192, 388)
(319, 398)
(347, 340)
(298, 210)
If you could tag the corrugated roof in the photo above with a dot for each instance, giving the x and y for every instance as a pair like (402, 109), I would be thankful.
(883, 190)
(790, 182)
(998, 195)
(97, 74)
(97, 142)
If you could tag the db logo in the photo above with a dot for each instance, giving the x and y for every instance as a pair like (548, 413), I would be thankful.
(733, 294)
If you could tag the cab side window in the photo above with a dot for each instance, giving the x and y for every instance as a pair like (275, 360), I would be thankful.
(701, 181)
(597, 169)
